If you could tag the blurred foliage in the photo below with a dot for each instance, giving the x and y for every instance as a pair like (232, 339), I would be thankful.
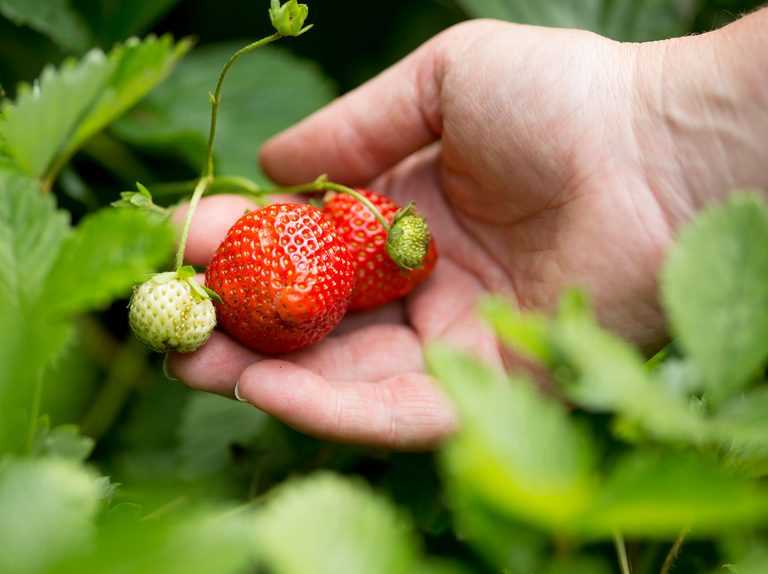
(106, 466)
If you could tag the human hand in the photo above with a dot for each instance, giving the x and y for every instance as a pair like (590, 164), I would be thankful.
(536, 158)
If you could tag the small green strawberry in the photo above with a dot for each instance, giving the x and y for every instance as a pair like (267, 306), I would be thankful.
(172, 312)
(408, 239)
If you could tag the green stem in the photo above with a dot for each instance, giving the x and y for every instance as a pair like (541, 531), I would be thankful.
(621, 551)
(323, 185)
(216, 97)
(673, 552)
(208, 170)
(220, 184)
(202, 185)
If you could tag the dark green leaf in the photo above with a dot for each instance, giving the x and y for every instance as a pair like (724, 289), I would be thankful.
(54, 18)
(715, 287)
(508, 545)
(116, 20)
(210, 427)
(627, 20)
(265, 92)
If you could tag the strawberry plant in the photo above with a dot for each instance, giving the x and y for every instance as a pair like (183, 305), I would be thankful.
(623, 463)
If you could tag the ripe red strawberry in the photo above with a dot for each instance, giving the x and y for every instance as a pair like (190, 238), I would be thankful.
(284, 277)
(379, 279)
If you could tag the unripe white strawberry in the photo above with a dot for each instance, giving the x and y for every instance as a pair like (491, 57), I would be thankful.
(172, 312)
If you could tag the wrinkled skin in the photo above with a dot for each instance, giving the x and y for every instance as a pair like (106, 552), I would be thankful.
(541, 159)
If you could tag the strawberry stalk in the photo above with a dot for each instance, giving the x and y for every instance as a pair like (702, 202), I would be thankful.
(322, 184)
(288, 20)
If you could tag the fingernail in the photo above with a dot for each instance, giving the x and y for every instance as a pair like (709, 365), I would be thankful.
(237, 393)
(166, 372)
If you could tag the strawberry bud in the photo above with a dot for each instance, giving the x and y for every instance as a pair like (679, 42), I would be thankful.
(408, 239)
(289, 18)
(172, 312)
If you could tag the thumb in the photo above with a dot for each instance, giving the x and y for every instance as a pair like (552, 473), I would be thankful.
(369, 130)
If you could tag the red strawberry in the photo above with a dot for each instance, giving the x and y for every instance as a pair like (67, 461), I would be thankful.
(379, 279)
(284, 277)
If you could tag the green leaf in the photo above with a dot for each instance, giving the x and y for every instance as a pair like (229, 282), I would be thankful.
(528, 333)
(189, 541)
(266, 92)
(48, 122)
(47, 511)
(658, 495)
(741, 426)
(508, 545)
(559, 13)
(327, 524)
(610, 375)
(53, 18)
(116, 20)
(211, 425)
(715, 289)
(626, 20)
(67, 443)
(31, 233)
(109, 252)
(517, 451)
(138, 67)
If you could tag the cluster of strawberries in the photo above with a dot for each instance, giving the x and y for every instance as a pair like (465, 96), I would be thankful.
(286, 274)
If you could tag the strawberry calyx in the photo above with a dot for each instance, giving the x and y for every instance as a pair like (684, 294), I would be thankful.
(187, 275)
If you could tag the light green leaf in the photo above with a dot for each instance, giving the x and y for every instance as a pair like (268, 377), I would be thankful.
(31, 232)
(109, 252)
(658, 495)
(265, 92)
(54, 18)
(67, 443)
(66, 106)
(626, 20)
(139, 67)
(715, 289)
(190, 541)
(210, 426)
(610, 375)
(47, 511)
(517, 451)
(327, 524)
(528, 333)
